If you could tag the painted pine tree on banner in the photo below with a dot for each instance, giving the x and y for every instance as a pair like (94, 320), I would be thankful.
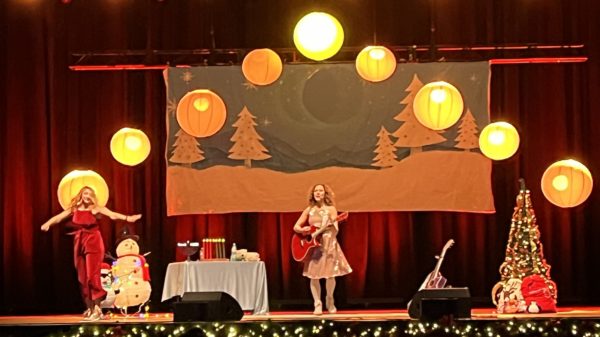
(411, 133)
(524, 262)
(467, 132)
(186, 149)
(247, 142)
(386, 151)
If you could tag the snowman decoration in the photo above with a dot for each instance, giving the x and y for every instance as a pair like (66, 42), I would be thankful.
(131, 274)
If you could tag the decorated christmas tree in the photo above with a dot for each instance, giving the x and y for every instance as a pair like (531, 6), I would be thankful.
(525, 284)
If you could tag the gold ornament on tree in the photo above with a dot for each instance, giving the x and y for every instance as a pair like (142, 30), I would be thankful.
(525, 275)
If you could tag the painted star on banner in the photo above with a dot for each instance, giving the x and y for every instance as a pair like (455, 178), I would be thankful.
(187, 76)
(266, 122)
(171, 106)
(249, 86)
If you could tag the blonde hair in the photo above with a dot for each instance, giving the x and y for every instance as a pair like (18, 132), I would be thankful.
(77, 199)
(328, 199)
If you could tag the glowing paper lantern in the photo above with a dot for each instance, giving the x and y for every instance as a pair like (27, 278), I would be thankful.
(130, 146)
(499, 140)
(75, 180)
(201, 113)
(375, 63)
(567, 183)
(438, 105)
(262, 66)
(318, 36)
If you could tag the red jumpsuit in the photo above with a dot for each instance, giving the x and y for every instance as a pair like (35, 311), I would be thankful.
(88, 253)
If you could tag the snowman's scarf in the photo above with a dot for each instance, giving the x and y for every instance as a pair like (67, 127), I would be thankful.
(145, 266)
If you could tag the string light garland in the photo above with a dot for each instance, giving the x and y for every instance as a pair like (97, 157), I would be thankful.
(474, 328)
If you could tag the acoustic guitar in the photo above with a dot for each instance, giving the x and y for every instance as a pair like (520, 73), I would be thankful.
(302, 244)
(435, 278)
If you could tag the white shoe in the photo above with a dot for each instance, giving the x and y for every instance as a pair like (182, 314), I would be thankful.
(96, 315)
(318, 308)
(330, 306)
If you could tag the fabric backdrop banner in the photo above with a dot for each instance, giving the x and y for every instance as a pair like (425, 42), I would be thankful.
(250, 148)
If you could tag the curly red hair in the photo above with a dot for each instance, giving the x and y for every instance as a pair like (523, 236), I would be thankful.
(328, 199)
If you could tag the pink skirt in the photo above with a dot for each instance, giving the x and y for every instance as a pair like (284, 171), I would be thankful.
(328, 260)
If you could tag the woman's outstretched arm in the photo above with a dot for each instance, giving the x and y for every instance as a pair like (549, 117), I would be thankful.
(118, 216)
(56, 219)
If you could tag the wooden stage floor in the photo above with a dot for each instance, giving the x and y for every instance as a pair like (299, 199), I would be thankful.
(288, 316)
(568, 321)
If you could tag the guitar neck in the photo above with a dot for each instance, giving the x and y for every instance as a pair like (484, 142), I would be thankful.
(436, 270)
(322, 229)
(438, 265)
(340, 217)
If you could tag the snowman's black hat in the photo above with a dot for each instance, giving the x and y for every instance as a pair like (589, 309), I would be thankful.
(125, 235)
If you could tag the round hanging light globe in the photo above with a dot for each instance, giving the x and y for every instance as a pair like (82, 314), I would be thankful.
(567, 183)
(438, 105)
(375, 63)
(75, 180)
(262, 66)
(318, 36)
(201, 113)
(130, 146)
(499, 140)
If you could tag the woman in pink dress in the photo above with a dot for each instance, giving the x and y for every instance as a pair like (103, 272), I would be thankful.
(88, 246)
(326, 261)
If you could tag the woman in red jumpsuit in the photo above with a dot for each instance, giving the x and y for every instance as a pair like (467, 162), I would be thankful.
(88, 247)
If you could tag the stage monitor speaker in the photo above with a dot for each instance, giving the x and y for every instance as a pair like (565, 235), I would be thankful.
(207, 306)
(432, 304)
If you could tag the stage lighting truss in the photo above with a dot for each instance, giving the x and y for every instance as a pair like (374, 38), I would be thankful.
(149, 59)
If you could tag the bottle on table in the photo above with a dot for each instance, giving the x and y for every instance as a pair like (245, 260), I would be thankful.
(233, 252)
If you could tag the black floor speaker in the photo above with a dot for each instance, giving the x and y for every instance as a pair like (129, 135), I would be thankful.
(432, 304)
(207, 306)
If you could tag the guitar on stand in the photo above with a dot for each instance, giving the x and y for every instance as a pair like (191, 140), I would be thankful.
(302, 244)
(434, 280)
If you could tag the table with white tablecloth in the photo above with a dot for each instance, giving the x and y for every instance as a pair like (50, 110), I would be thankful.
(244, 281)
